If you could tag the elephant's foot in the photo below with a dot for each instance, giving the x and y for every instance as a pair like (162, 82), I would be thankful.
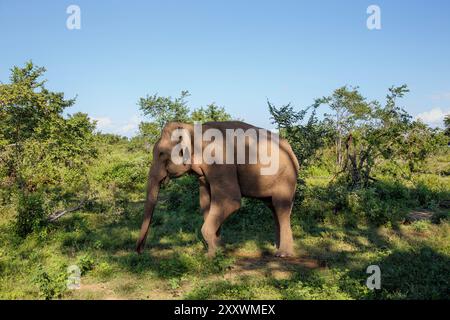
(212, 252)
(284, 253)
(214, 248)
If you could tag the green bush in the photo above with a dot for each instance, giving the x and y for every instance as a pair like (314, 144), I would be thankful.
(182, 192)
(50, 286)
(379, 204)
(86, 263)
(117, 180)
(428, 193)
(31, 213)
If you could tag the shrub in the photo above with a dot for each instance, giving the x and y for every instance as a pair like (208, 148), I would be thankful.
(428, 193)
(51, 286)
(182, 192)
(104, 270)
(31, 213)
(86, 263)
(117, 180)
(420, 226)
(376, 204)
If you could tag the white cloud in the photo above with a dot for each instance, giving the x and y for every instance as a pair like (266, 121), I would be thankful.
(103, 122)
(126, 128)
(130, 127)
(434, 117)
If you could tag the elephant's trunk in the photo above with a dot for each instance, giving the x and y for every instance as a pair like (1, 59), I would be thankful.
(152, 197)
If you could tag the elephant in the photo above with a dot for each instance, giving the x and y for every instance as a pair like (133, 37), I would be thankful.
(222, 185)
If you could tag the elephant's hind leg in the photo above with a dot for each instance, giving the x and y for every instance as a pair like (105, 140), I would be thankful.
(283, 207)
(277, 223)
(205, 197)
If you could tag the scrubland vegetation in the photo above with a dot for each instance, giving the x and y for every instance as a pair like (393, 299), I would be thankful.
(70, 195)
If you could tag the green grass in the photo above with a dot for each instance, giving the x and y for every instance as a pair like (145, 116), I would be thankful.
(331, 262)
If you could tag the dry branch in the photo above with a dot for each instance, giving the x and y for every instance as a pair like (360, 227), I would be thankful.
(58, 214)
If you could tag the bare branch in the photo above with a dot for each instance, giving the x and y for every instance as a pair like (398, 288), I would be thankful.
(58, 214)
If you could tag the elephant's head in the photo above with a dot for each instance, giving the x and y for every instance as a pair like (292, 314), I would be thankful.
(166, 165)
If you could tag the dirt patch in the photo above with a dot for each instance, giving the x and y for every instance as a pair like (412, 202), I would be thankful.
(269, 266)
(99, 290)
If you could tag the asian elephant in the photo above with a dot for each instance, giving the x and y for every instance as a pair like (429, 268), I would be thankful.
(222, 185)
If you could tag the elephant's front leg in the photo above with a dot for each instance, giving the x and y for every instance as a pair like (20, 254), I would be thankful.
(218, 212)
(205, 203)
(225, 198)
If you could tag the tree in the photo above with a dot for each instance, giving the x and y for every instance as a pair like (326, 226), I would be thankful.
(386, 133)
(165, 109)
(212, 112)
(447, 125)
(349, 107)
(305, 137)
(365, 135)
(147, 136)
(40, 149)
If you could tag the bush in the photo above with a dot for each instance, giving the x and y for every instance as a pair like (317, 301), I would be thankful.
(182, 192)
(86, 263)
(51, 286)
(117, 180)
(428, 193)
(31, 213)
(378, 204)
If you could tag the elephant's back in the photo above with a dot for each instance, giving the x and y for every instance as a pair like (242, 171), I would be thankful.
(285, 147)
(223, 125)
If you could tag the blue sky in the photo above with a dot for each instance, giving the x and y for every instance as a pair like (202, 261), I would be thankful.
(235, 53)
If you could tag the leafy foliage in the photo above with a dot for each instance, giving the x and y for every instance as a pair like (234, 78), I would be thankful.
(305, 138)
(210, 113)
(51, 286)
(85, 263)
(165, 109)
(39, 147)
(31, 213)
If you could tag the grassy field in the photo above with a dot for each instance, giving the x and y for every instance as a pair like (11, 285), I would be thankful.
(332, 254)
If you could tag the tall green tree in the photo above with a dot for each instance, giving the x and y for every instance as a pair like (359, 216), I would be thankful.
(212, 112)
(40, 147)
(306, 135)
(348, 107)
(165, 109)
(365, 134)
(386, 133)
